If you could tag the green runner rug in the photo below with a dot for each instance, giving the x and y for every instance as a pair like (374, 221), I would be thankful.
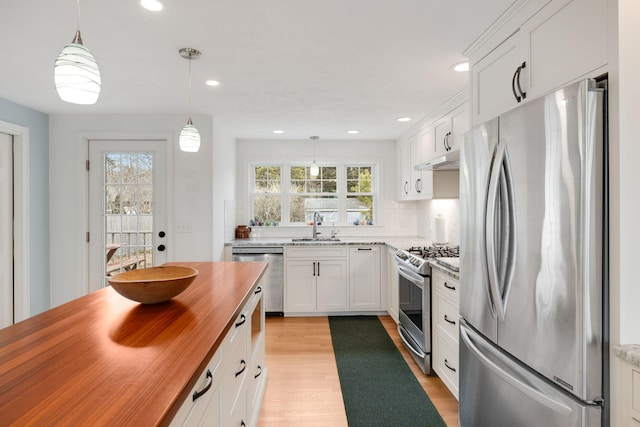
(378, 387)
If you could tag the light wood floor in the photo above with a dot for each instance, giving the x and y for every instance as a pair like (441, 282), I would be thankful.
(303, 388)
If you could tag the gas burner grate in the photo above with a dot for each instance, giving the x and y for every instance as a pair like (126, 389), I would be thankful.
(436, 251)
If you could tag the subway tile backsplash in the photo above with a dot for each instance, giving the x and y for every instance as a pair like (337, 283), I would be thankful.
(409, 218)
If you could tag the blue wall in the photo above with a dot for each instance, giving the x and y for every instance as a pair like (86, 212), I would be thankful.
(38, 125)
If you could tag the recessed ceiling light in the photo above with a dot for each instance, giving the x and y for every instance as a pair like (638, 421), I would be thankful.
(152, 5)
(461, 67)
(212, 83)
(353, 131)
(404, 119)
(278, 131)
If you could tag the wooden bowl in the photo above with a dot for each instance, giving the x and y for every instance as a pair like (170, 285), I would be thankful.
(154, 284)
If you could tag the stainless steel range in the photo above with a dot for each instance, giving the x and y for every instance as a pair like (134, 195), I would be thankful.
(414, 284)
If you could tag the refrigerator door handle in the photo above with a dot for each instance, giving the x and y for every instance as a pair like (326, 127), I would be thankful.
(527, 389)
(500, 192)
(490, 232)
(510, 244)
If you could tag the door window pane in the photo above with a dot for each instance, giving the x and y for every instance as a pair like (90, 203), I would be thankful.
(128, 201)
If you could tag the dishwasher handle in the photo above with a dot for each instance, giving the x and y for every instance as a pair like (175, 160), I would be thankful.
(257, 250)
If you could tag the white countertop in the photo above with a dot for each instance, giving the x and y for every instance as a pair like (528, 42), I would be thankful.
(397, 242)
(629, 353)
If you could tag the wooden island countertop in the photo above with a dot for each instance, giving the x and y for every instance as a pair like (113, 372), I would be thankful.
(105, 360)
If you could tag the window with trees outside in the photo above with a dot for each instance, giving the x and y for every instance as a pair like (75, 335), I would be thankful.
(341, 194)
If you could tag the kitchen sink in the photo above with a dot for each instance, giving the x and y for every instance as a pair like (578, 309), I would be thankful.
(317, 239)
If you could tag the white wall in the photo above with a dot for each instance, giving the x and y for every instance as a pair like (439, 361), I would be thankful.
(38, 216)
(224, 185)
(626, 172)
(190, 198)
(395, 219)
(449, 209)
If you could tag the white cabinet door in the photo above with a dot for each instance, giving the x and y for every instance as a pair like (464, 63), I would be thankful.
(416, 157)
(460, 124)
(300, 289)
(493, 80)
(566, 40)
(442, 136)
(393, 287)
(404, 168)
(331, 287)
(364, 278)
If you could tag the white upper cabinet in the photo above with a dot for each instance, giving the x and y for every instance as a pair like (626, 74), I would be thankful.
(493, 80)
(449, 130)
(563, 42)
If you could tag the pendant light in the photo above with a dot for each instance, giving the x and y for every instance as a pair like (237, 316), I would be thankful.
(76, 72)
(189, 136)
(314, 170)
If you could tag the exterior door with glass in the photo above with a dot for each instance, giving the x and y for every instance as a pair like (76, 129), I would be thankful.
(127, 207)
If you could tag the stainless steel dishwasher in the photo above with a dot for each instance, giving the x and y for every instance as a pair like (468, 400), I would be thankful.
(273, 280)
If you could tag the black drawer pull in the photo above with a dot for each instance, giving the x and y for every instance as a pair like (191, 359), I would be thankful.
(448, 286)
(242, 424)
(258, 290)
(243, 319)
(244, 366)
(446, 363)
(364, 249)
(207, 386)
(446, 319)
(259, 372)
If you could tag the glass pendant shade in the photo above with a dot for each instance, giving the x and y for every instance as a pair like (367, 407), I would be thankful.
(76, 74)
(190, 138)
(314, 170)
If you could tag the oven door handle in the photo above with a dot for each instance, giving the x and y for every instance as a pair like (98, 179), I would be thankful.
(411, 276)
(413, 348)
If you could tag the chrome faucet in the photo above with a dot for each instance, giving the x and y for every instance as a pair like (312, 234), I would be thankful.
(316, 217)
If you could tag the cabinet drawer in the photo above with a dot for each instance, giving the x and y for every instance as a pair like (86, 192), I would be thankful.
(448, 316)
(193, 411)
(447, 364)
(447, 284)
(329, 251)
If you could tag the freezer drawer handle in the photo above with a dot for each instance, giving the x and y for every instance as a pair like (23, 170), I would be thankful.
(197, 394)
(446, 363)
(559, 407)
(446, 319)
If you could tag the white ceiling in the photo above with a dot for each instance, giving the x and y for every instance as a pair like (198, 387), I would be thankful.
(307, 67)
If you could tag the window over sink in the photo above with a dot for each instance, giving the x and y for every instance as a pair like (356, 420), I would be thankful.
(343, 194)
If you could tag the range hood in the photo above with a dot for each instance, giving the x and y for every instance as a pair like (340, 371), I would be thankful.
(449, 161)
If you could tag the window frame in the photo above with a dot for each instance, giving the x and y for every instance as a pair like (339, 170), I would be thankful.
(341, 189)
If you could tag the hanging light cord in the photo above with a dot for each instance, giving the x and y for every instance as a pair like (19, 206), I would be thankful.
(78, 9)
(190, 87)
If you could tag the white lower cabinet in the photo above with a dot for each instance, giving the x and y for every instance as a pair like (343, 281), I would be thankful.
(230, 390)
(315, 279)
(364, 278)
(446, 318)
(393, 285)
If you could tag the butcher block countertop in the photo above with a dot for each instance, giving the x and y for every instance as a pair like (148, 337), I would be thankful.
(105, 360)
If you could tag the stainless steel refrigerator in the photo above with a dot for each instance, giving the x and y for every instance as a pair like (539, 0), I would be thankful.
(533, 256)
